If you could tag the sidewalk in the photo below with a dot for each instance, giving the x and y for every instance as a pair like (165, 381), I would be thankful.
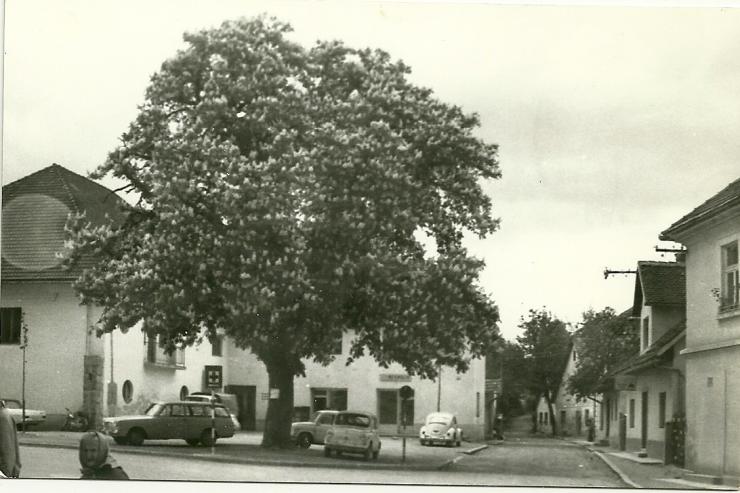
(650, 473)
(244, 448)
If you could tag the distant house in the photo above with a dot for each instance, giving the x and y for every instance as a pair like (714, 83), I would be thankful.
(650, 386)
(571, 413)
(711, 234)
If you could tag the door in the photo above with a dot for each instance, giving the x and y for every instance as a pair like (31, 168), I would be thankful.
(644, 419)
(578, 422)
(170, 422)
(246, 400)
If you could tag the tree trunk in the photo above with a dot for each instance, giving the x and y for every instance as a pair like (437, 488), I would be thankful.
(279, 408)
(553, 421)
(535, 415)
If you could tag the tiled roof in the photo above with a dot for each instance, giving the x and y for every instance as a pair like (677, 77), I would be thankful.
(659, 283)
(34, 211)
(728, 197)
(652, 356)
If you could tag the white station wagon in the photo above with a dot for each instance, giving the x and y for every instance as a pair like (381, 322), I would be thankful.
(353, 432)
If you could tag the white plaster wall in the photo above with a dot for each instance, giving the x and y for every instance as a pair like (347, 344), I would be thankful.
(152, 383)
(57, 340)
(462, 394)
(713, 412)
(703, 269)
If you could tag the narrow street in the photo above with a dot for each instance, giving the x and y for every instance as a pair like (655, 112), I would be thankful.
(532, 463)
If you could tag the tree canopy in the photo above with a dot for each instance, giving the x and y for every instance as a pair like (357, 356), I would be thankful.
(283, 193)
(546, 343)
(605, 340)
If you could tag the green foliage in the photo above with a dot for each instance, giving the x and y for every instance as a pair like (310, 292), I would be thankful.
(508, 362)
(605, 340)
(281, 191)
(545, 341)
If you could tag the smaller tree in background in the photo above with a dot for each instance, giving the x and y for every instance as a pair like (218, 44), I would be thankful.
(507, 362)
(605, 340)
(545, 342)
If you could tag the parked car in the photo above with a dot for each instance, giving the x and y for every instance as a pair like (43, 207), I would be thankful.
(228, 400)
(186, 420)
(34, 417)
(441, 428)
(306, 433)
(353, 432)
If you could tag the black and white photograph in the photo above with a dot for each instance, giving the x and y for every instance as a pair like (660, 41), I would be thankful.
(357, 245)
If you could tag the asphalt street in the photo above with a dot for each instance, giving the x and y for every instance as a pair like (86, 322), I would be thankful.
(517, 464)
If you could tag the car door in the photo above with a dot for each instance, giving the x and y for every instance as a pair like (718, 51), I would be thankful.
(175, 422)
(199, 420)
(323, 422)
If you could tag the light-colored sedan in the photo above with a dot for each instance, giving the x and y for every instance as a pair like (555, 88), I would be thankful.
(354, 432)
(15, 409)
(441, 428)
(189, 421)
(306, 433)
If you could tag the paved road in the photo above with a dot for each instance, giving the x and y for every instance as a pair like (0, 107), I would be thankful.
(524, 464)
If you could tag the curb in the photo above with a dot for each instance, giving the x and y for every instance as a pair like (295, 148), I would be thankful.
(622, 476)
(268, 462)
(625, 479)
(454, 461)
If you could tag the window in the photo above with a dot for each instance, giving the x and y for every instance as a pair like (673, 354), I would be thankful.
(127, 391)
(10, 325)
(562, 418)
(156, 353)
(645, 333)
(217, 346)
(730, 282)
(661, 410)
(336, 347)
(388, 406)
(197, 411)
(178, 410)
(329, 399)
(325, 419)
(632, 413)
(585, 416)
(184, 392)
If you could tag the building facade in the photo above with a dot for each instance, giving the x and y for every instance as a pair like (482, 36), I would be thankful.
(650, 387)
(69, 367)
(711, 235)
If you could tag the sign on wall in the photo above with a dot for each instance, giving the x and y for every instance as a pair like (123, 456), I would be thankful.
(214, 376)
(394, 377)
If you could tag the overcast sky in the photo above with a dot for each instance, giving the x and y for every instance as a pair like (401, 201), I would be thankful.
(612, 121)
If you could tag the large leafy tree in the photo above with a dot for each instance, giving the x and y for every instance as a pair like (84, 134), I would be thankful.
(284, 195)
(605, 340)
(546, 344)
(507, 362)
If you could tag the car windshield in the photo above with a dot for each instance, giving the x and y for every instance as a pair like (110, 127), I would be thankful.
(358, 420)
(154, 409)
(438, 419)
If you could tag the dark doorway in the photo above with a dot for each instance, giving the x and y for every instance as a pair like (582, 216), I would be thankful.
(578, 422)
(246, 396)
(644, 419)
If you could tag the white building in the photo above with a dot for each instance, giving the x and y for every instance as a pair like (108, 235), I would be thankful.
(68, 366)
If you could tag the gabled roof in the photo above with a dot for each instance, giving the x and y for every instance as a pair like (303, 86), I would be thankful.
(725, 199)
(653, 356)
(659, 283)
(35, 209)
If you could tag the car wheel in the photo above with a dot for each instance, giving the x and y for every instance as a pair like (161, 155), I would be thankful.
(206, 439)
(376, 453)
(120, 440)
(304, 440)
(422, 443)
(368, 452)
(327, 452)
(192, 441)
(136, 437)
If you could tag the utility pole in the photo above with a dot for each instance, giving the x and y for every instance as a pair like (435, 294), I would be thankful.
(439, 387)
(24, 336)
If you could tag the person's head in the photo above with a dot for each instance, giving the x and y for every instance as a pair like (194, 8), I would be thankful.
(93, 449)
